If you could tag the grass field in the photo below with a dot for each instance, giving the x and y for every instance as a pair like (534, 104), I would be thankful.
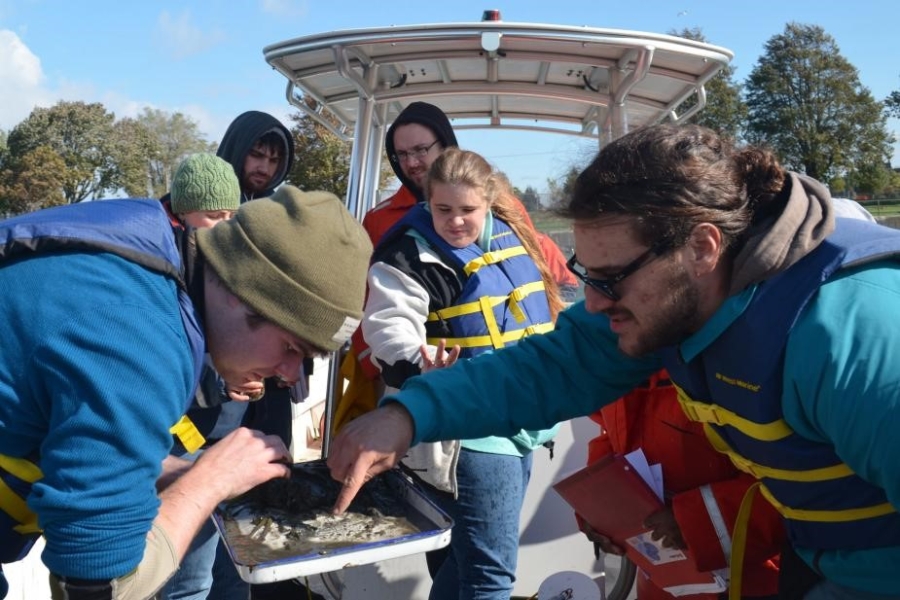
(883, 208)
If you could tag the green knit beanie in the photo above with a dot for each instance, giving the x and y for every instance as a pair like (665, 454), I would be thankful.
(298, 259)
(204, 182)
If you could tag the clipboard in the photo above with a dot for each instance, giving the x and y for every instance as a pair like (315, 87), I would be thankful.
(614, 500)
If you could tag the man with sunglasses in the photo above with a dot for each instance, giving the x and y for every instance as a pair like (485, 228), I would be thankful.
(771, 315)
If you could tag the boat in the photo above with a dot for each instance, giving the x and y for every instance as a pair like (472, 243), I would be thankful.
(586, 82)
(491, 74)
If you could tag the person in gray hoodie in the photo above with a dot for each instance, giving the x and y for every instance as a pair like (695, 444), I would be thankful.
(261, 150)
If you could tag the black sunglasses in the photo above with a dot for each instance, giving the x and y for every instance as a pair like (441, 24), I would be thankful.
(605, 286)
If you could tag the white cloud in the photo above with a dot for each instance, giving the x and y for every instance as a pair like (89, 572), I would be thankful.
(22, 81)
(181, 38)
(285, 8)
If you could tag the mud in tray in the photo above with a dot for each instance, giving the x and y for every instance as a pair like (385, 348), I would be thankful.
(284, 528)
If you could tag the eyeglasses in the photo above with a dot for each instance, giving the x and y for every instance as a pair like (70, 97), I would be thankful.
(417, 152)
(605, 286)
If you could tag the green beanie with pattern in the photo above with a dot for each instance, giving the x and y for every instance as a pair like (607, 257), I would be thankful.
(298, 259)
(204, 182)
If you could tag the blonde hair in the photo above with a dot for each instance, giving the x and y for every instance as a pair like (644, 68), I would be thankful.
(464, 167)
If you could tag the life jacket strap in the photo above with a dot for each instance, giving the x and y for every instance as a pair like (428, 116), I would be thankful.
(739, 542)
(761, 471)
(829, 516)
(468, 308)
(188, 434)
(11, 501)
(711, 413)
(484, 341)
(493, 257)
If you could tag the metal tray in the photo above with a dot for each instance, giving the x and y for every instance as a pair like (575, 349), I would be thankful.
(250, 544)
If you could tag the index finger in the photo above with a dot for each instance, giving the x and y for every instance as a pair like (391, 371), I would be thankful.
(357, 475)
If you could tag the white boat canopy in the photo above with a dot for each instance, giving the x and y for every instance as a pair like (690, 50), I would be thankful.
(580, 81)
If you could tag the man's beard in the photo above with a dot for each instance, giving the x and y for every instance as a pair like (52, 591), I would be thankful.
(675, 319)
(253, 188)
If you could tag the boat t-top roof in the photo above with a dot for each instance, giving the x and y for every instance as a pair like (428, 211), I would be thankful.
(578, 80)
(581, 81)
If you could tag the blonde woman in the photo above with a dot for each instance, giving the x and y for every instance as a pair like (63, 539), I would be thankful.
(465, 268)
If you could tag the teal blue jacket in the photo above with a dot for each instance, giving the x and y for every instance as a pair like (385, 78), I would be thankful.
(841, 386)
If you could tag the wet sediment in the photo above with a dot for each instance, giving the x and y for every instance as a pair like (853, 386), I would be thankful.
(286, 518)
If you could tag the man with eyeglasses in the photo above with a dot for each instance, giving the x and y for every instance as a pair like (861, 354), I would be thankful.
(771, 315)
(414, 140)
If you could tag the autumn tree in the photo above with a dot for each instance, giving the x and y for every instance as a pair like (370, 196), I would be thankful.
(34, 181)
(806, 102)
(725, 111)
(80, 134)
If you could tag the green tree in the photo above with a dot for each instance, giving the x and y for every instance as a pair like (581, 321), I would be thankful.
(560, 190)
(82, 136)
(133, 145)
(3, 150)
(892, 104)
(324, 158)
(805, 101)
(34, 182)
(725, 111)
(870, 178)
(172, 137)
(530, 199)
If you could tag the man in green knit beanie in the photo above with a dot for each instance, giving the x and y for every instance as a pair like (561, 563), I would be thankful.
(204, 191)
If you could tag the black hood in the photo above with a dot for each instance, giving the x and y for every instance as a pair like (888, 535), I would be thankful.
(431, 117)
(243, 132)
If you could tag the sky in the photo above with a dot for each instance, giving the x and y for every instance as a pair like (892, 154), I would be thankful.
(205, 58)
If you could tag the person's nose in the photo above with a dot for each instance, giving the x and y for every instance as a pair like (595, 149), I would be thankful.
(414, 161)
(289, 369)
(596, 301)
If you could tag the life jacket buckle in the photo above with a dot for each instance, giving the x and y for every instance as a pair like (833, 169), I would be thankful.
(702, 413)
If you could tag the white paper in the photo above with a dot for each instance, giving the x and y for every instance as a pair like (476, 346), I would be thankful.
(651, 474)
(719, 585)
(657, 485)
(653, 550)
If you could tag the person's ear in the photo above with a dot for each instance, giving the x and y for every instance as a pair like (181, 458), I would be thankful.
(704, 248)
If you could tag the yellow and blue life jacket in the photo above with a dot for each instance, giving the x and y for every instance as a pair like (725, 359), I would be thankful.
(137, 230)
(734, 387)
(503, 298)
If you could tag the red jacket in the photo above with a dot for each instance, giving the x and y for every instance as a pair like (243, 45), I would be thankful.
(386, 213)
(651, 419)
(377, 222)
